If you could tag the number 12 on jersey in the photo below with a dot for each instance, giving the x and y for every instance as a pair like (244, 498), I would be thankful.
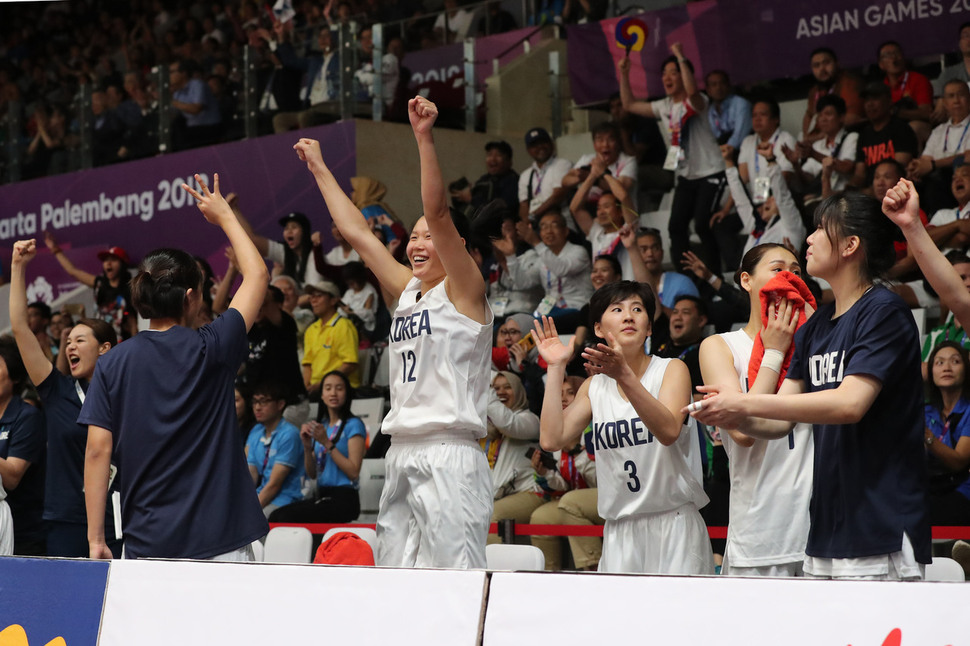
(409, 360)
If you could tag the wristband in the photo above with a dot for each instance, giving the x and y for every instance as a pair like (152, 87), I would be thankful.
(773, 360)
(713, 279)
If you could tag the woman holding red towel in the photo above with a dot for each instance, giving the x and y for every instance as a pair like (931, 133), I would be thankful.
(771, 480)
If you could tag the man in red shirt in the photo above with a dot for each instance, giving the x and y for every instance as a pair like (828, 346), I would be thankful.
(912, 92)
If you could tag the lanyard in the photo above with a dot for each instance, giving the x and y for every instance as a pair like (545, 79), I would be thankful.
(80, 391)
(322, 452)
(757, 165)
(902, 86)
(946, 137)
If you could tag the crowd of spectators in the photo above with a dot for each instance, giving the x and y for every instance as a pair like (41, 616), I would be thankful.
(545, 237)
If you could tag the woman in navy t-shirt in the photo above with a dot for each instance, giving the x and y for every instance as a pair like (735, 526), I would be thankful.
(161, 404)
(855, 376)
(62, 396)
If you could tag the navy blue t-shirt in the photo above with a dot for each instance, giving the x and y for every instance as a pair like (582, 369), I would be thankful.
(870, 477)
(66, 443)
(22, 436)
(167, 398)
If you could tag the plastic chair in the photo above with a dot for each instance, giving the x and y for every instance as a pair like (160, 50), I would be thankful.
(258, 551)
(288, 545)
(371, 482)
(365, 533)
(502, 556)
(371, 413)
(944, 569)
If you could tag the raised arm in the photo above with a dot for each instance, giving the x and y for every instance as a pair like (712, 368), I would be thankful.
(351, 222)
(643, 108)
(249, 297)
(901, 205)
(65, 262)
(38, 367)
(694, 96)
(464, 282)
(558, 428)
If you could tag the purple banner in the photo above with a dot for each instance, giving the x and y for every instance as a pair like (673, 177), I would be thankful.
(141, 206)
(759, 40)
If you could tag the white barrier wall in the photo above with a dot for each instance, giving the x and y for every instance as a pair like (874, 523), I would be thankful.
(610, 609)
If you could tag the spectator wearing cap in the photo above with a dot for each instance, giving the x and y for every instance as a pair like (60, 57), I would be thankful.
(912, 93)
(499, 182)
(331, 342)
(607, 149)
(540, 186)
(112, 294)
(885, 136)
(294, 254)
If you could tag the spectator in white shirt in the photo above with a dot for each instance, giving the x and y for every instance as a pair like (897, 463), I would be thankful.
(540, 185)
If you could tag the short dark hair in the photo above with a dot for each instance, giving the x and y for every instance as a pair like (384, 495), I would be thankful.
(354, 271)
(614, 263)
(15, 364)
(888, 43)
(773, 108)
(824, 50)
(611, 293)
(891, 161)
(645, 232)
(164, 276)
(272, 389)
(957, 257)
(276, 293)
(727, 79)
(42, 308)
(606, 128)
(698, 303)
(962, 27)
(673, 59)
(832, 100)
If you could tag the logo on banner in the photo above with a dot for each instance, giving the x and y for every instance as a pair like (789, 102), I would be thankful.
(631, 34)
(57, 602)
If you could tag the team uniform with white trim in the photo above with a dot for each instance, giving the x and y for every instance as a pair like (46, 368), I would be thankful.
(649, 493)
(771, 486)
(437, 500)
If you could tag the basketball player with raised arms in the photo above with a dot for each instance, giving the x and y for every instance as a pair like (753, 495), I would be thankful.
(437, 499)
(647, 458)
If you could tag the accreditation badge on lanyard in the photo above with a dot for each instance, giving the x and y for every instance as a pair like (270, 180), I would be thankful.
(762, 190)
(676, 155)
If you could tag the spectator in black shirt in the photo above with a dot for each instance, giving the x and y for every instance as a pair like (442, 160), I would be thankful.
(883, 137)
(500, 182)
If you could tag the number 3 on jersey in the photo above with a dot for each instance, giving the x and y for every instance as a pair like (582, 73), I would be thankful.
(631, 468)
(407, 373)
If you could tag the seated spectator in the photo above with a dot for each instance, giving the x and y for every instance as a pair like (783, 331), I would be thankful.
(834, 141)
(198, 122)
(496, 20)
(360, 301)
(331, 342)
(623, 167)
(333, 451)
(731, 303)
(959, 71)
(948, 141)
(108, 132)
(951, 227)
(343, 253)
(291, 298)
(504, 295)
(243, 401)
(23, 455)
(885, 136)
(562, 270)
(499, 182)
(38, 320)
(273, 451)
(510, 351)
(951, 329)
(112, 293)
(948, 434)
(321, 84)
(693, 154)
(453, 24)
(575, 472)
(605, 270)
(730, 114)
(512, 430)
(912, 94)
(667, 285)
(830, 79)
(776, 218)
(46, 154)
(687, 321)
(540, 185)
(766, 121)
(613, 209)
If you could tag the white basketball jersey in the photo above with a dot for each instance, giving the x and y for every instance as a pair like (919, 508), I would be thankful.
(439, 366)
(635, 473)
(771, 485)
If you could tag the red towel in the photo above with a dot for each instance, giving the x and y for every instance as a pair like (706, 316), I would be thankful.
(784, 285)
(344, 548)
